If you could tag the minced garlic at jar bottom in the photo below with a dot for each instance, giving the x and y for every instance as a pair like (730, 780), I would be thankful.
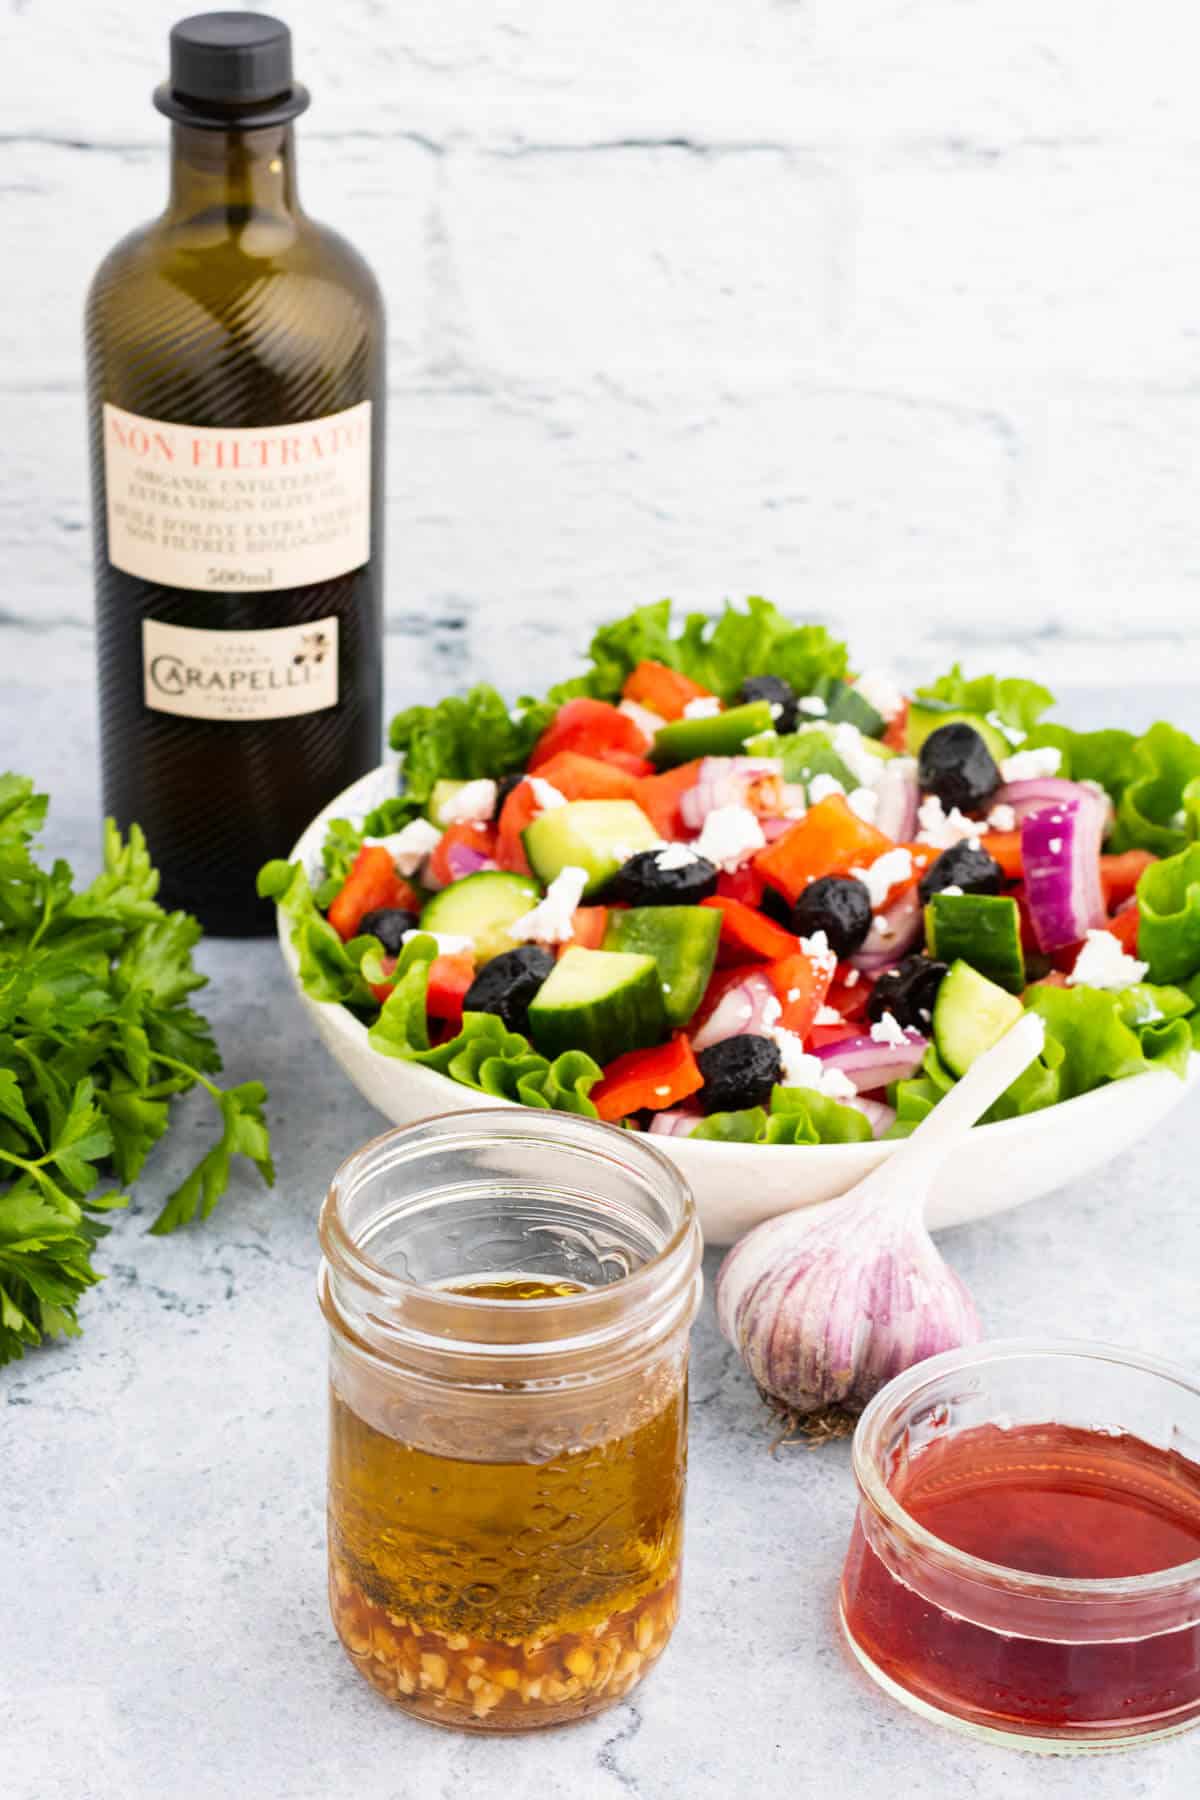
(503, 1594)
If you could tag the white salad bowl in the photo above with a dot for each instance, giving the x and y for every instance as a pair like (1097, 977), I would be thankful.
(738, 1185)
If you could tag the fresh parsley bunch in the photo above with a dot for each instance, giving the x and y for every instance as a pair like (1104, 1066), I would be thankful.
(96, 1039)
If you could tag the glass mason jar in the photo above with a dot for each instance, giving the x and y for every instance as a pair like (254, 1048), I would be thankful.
(1053, 1662)
(510, 1295)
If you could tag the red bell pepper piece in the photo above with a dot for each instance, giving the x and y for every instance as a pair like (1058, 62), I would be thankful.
(850, 1001)
(801, 984)
(372, 883)
(591, 727)
(746, 933)
(896, 735)
(829, 840)
(519, 810)
(656, 1079)
(659, 797)
(1005, 848)
(1124, 927)
(629, 760)
(590, 922)
(664, 691)
(449, 979)
(587, 778)
(744, 884)
(474, 836)
(1119, 875)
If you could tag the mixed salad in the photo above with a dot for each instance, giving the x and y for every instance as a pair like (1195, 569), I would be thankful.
(721, 886)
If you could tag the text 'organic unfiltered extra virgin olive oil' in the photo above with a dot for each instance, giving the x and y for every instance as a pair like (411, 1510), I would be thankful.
(236, 393)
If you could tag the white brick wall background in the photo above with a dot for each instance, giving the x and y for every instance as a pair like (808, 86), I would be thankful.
(887, 308)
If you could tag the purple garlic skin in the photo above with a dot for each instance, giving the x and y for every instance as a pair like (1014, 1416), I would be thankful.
(827, 1304)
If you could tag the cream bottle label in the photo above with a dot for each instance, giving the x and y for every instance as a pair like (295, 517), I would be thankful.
(277, 506)
(240, 675)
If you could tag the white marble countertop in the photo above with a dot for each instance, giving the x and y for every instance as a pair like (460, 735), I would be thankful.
(162, 1562)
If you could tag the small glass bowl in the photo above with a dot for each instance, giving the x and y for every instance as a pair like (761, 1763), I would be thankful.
(1037, 1662)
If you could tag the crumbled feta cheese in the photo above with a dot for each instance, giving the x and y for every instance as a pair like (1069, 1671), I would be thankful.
(800, 1069)
(730, 835)
(883, 874)
(643, 718)
(552, 920)
(662, 1092)
(817, 950)
(448, 943)
(771, 1011)
(474, 804)
(865, 802)
(826, 1015)
(1002, 818)
(940, 829)
(883, 926)
(1056, 845)
(952, 889)
(1102, 963)
(1032, 765)
(888, 1030)
(813, 705)
(853, 977)
(821, 786)
(1013, 733)
(545, 793)
(881, 692)
(409, 848)
(862, 763)
(675, 856)
(776, 708)
(704, 706)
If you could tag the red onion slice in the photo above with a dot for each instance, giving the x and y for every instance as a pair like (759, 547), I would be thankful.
(898, 799)
(878, 1114)
(677, 1121)
(463, 860)
(731, 781)
(887, 943)
(870, 1064)
(743, 1009)
(1060, 856)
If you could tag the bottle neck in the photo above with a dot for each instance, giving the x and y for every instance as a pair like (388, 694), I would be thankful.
(234, 177)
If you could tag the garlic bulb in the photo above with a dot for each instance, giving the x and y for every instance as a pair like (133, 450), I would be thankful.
(827, 1304)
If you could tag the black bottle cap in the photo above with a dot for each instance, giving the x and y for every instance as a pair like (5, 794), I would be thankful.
(231, 69)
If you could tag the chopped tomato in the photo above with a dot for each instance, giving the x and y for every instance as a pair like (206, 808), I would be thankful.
(1119, 875)
(449, 979)
(746, 933)
(830, 839)
(372, 883)
(659, 797)
(586, 777)
(472, 836)
(640, 766)
(664, 691)
(850, 1001)
(590, 922)
(590, 727)
(744, 884)
(1056, 978)
(382, 989)
(820, 1035)
(520, 809)
(1005, 848)
(896, 735)
(801, 983)
(655, 1079)
(1124, 927)
(1029, 941)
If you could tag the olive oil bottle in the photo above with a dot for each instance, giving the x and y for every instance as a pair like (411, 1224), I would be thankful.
(236, 405)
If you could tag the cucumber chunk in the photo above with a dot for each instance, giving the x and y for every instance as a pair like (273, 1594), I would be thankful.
(482, 907)
(925, 716)
(970, 1014)
(843, 702)
(443, 793)
(721, 735)
(600, 1001)
(596, 835)
(981, 929)
(683, 942)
